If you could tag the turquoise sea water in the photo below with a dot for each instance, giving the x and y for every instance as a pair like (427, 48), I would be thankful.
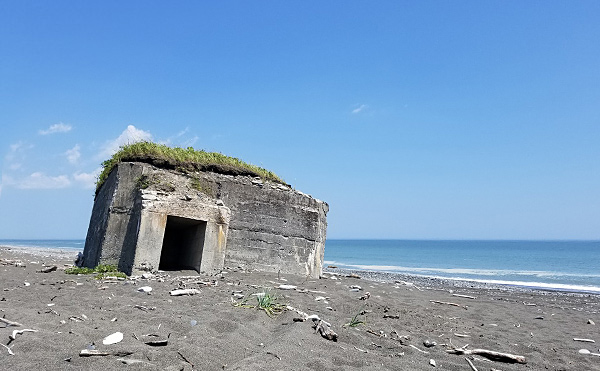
(559, 265)
(57, 244)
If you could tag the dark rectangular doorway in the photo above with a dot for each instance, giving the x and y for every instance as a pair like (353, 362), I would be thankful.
(182, 244)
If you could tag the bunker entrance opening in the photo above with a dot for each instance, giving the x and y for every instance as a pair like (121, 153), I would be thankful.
(183, 244)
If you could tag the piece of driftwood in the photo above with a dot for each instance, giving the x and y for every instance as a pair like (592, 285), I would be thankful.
(92, 353)
(9, 350)
(464, 296)
(471, 364)
(48, 269)
(14, 334)
(448, 303)
(184, 292)
(584, 340)
(324, 328)
(10, 323)
(420, 350)
(490, 354)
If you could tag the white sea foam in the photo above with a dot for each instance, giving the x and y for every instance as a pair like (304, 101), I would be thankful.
(474, 275)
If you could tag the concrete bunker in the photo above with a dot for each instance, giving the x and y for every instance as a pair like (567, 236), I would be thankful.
(147, 218)
(182, 245)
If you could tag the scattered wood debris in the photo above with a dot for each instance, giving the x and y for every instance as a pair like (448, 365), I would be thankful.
(464, 296)
(471, 364)
(48, 269)
(584, 340)
(448, 303)
(324, 328)
(10, 323)
(490, 354)
(181, 292)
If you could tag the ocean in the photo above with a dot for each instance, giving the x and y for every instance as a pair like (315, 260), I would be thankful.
(554, 265)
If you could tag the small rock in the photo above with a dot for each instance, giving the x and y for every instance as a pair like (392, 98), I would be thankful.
(355, 287)
(429, 343)
(287, 287)
(147, 275)
(432, 362)
(145, 289)
(590, 322)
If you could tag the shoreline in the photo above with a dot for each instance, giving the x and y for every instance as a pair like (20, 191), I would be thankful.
(372, 275)
(440, 282)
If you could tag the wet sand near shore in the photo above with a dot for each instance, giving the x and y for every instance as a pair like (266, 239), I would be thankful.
(407, 323)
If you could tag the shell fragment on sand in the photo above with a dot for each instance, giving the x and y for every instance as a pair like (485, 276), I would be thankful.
(113, 338)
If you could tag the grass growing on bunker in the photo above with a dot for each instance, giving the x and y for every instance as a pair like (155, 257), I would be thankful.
(265, 301)
(183, 159)
(102, 271)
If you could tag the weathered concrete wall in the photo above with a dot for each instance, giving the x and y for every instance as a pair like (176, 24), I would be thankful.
(249, 223)
(115, 217)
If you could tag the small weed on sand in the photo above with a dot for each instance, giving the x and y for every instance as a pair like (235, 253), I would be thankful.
(265, 301)
(354, 321)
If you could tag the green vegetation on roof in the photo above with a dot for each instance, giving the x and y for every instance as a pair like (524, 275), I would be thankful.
(184, 160)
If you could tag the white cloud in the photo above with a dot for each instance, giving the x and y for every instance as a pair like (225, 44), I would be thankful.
(16, 154)
(73, 154)
(39, 180)
(128, 136)
(87, 180)
(181, 139)
(56, 128)
(359, 109)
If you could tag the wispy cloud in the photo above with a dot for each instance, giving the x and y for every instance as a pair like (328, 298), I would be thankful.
(87, 180)
(182, 139)
(128, 136)
(359, 109)
(39, 180)
(15, 155)
(56, 128)
(73, 154)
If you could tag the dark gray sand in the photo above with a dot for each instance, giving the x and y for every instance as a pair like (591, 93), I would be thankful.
(207, 332)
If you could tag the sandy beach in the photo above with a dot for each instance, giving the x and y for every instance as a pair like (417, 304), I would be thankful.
(408, 323)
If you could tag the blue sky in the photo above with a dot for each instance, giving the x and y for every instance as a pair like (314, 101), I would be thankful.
(425, 120)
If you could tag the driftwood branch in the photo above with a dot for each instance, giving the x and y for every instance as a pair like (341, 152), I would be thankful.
(464, 296)
(14, 334)
(184, 292)
(471, 364)
(448, 303)
(9, 350)
(490, 354)
(324, 328)
(48, 269)
(10, 323)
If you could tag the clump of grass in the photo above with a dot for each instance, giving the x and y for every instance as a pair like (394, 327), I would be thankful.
(265, 301)
(183, 159)
(143, 182)
(354, 321)
(102, 271)
(201, 185)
